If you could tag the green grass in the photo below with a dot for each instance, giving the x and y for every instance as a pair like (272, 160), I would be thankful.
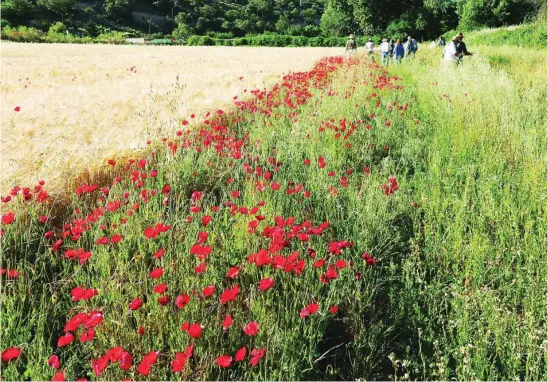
(527, 35)
(458, 290)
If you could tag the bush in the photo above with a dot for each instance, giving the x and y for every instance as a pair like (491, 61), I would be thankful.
(242, 41)
(316, 41)
(299, 41)
(57, 28)
(22, 34)
(200, 41)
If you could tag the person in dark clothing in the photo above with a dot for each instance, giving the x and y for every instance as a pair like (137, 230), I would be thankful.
(351, 46)
(461, 47)
(441, 41)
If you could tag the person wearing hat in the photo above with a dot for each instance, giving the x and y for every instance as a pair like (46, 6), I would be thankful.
(461, 46)
(351, 46)
(385, 51)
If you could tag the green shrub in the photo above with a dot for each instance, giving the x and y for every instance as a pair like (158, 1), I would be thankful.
(242, 41)
(200, 41)
(316, 41)
(56, 28)
(299, 41)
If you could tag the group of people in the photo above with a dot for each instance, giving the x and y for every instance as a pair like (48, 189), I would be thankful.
(389, 50)
(454, 51)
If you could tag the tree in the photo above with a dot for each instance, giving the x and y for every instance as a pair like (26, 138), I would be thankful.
(63, 8)
(333, 21)
(118, 9)
(16, 11)
(475, 14)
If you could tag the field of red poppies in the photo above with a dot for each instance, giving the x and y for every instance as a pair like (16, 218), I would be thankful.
(292, 237)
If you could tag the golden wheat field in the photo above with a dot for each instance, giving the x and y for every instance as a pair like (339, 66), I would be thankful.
(79, 104)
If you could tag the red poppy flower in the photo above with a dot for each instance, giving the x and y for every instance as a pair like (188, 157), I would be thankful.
(150, 233)
(147, 362)
(158, 254)
(156, 273)
(59, 376)
(202, 237)
(95, 318)
(54, 362)
(224, 361)
(266, 284)
(251, 329)
(178, 364)
(116, 238)
(208, 290)
(230, 294)
(182, 300)
(233, 272)
(240, 354)
(309, 310)
(17, 108)
(126, 360)
(8, 218)
(227, 322)
(201, 251)
(65, 340)
(135, 304)
(206, 220)
(340, 264)
(88, 335)
(99, 365)
(334, 309)
(102, 241)
(141, 331)
(164, 300)
(14, 273)
(256, 355)
(195, 331)
(10, 354)
(201, 268)
(160, 288)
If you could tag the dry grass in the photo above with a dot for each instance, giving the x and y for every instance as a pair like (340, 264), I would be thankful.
(82, 103)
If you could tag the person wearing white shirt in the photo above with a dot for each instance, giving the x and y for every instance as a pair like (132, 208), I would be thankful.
(450, 54)
(385, 51)
(369, 46)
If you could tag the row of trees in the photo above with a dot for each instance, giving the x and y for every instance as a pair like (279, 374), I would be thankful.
(422, 18)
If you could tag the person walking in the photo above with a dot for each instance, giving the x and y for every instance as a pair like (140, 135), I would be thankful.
(461, 47)
(441, 41)
(370, 46)
(411, 47)
(450, 53)
(385, 52)
(399, 51)
(351, 46)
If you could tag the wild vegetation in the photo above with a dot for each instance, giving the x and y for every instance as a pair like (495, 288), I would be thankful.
(113, 20)
(349, 222)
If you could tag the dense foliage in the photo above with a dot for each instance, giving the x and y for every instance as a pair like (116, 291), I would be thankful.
(424, 19)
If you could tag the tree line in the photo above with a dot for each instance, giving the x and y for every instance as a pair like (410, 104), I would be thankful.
(424, 19)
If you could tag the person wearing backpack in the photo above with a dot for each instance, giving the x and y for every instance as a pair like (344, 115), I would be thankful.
(351, 46)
